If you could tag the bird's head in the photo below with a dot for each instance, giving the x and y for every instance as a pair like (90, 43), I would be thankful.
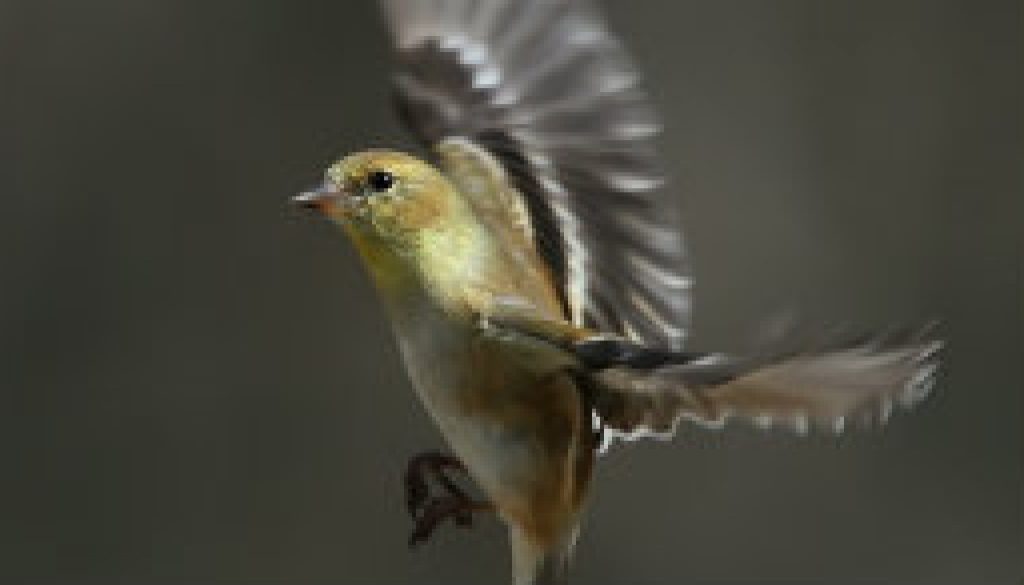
(400, 212)
(383, 195)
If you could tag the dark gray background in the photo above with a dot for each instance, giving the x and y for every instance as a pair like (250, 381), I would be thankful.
(199, 386)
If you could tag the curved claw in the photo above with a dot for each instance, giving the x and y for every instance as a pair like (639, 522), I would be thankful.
(429, 511)
(416, 485)
(437, 509)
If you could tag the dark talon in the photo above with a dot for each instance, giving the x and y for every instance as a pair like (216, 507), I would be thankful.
(429, 511)
(416, 490)
(437, 509)
(416, 486)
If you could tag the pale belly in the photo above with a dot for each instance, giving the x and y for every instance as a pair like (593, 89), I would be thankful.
(517, 430)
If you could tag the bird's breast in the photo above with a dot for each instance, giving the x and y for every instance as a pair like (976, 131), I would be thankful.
(517, 429)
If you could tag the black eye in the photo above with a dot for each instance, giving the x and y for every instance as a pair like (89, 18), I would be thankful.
(380, 181)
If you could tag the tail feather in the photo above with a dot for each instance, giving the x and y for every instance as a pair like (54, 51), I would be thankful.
(828, 386)
(539, 565)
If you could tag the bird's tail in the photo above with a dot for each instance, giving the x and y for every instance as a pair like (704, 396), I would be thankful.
(645, 392)
(536, 564)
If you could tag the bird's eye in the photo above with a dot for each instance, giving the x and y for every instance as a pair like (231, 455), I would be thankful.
(380, 181)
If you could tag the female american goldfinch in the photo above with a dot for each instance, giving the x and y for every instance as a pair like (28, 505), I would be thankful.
(538, 290)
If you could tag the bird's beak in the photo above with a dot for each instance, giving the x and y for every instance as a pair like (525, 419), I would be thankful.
(320, 198)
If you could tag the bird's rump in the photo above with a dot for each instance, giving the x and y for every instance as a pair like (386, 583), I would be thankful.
(542, 88)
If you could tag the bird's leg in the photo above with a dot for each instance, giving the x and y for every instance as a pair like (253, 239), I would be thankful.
(428, 511)
(437, 509)
(424, 465)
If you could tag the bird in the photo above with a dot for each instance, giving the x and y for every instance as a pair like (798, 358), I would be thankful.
(536, 282)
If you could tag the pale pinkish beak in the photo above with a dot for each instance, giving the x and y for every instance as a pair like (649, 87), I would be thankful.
(318, 199)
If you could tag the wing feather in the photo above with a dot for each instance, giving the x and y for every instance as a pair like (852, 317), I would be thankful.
(833, 386)
(543, 88)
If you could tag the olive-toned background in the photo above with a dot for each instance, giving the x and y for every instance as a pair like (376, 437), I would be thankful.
(199, 386)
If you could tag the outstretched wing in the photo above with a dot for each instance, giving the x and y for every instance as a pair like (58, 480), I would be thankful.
(638, 391)
(543, 89)
(833, 386)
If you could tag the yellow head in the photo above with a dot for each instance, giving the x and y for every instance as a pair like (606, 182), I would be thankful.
(404, 216)
(383, 196)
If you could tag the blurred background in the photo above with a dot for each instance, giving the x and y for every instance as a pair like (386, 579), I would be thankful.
(199, 385)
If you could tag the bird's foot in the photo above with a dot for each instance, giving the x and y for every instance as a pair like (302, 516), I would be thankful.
(420, 470)
(436, 509)
(428, 511)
